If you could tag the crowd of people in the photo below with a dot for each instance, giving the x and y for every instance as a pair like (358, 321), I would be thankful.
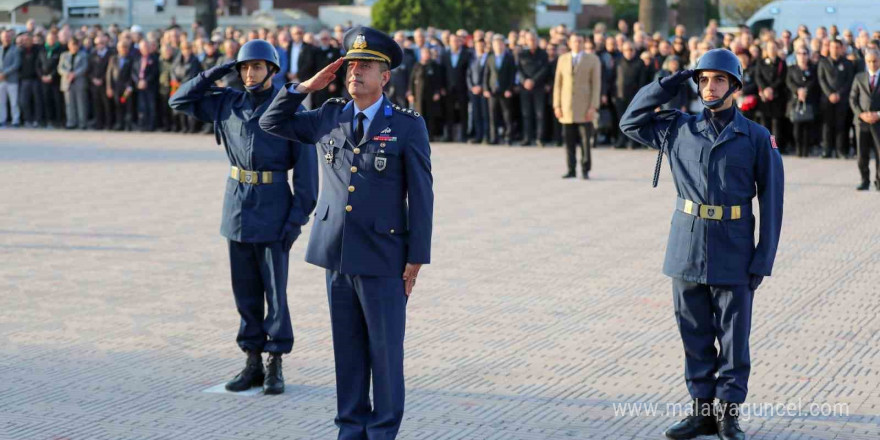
(477, 86)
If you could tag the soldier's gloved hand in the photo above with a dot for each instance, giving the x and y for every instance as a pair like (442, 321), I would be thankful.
(755, 281)
(290, 234)
(217, 72)
(672, 82)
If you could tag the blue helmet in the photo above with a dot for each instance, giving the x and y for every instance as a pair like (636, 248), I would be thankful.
(721, 60)
(258, 50)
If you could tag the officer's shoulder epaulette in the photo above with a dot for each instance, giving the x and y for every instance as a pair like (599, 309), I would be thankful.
(336, 101)
(407, 111)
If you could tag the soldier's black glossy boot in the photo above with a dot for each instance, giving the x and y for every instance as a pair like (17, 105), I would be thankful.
(251, 376)
(274, 383)
(701, 422)
(728, 422)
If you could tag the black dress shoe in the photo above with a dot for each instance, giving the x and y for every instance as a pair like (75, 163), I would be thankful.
(251, 376)
(274, 383)
(728, 422)
(701, 422)
(586, 175)
(877, 184)
(864, 186)
(569, 176)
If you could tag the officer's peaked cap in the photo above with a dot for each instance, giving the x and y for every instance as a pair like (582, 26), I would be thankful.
(365, 43)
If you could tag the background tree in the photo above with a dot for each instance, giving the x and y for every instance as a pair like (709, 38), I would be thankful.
(654, 14)
(739, 11)
(500, 16)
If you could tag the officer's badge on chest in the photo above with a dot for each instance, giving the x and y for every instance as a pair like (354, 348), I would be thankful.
(380, 162)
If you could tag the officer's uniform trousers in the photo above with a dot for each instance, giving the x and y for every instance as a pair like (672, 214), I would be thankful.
(256, 212)
(711, 254)
(373, 217)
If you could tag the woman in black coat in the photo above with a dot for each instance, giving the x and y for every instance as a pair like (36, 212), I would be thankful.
(748, 99)
(771, 74)
(803, 86)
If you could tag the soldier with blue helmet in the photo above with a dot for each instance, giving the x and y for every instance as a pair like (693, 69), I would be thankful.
(261, 217)
(372, 230)
(720, 161)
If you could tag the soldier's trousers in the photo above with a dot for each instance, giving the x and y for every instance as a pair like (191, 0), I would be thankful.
(706, 314)
(368, 318)
(259, 276)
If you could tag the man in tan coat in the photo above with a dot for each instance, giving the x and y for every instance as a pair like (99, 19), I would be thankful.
(576, 93)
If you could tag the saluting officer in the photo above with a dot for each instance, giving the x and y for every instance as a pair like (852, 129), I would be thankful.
(261, 218)
(720, 161)
(373, 224)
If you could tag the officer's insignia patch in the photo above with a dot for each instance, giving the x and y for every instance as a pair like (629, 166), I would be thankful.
(360, 42)
(380, 163)
(773, 142)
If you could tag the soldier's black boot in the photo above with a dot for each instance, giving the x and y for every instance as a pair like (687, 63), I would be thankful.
(728, 422)
(251, 376)
(274, 383)
(701, 422)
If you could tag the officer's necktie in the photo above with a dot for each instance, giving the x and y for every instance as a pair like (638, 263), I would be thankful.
(359, 130)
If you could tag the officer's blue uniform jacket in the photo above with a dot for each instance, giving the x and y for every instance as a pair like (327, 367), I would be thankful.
(729, 169)
(376, 206)
(253, 213)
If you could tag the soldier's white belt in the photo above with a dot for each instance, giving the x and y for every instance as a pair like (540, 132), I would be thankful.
(713, 212)
(257, 177)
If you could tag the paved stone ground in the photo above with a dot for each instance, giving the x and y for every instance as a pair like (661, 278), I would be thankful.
(545, 306)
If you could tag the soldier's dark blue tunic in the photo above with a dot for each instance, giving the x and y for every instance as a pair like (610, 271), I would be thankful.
(717, 172)
(255, 215)
(374, 216)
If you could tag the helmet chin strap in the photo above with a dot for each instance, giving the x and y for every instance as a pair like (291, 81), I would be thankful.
(717, 103)
(258, 87)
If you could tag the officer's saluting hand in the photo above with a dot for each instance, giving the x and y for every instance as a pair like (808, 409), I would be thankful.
(720, 162)
(373, 223)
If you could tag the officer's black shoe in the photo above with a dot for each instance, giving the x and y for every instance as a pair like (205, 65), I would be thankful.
(728, 422)
(701, 422)
(251, 376)
(569, 176)
(864, 186)
(274, 383)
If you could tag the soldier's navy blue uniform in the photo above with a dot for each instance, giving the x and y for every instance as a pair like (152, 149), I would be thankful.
(711, 253)
(374, 216)
(256, 214)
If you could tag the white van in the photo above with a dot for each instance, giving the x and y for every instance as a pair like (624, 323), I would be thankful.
(789, 14)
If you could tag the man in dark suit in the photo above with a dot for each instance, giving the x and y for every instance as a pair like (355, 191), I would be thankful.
(455, 62)
(325, 54)
(865, 103)
(835, 78)
(398, 88)
(99, 59)
(145, 76)
(630, 75)
(498, 85)
(479, 105)
(119, 87)
(301, 57)
(534, 71)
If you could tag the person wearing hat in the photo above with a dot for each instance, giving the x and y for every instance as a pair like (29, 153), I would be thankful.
(372, 230)
(261, 217)
(720, 161)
